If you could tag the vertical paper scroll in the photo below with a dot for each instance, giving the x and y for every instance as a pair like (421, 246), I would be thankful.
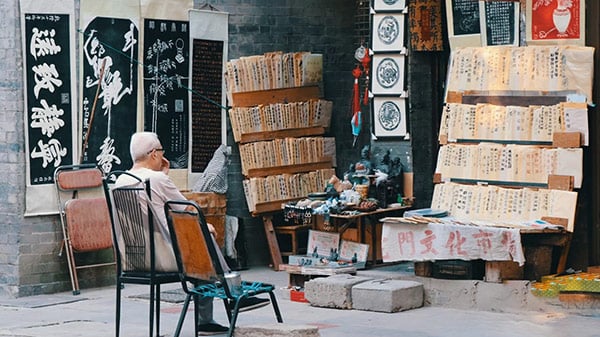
(166, 57)
(50, 111)
(110, 42)
(209, 41)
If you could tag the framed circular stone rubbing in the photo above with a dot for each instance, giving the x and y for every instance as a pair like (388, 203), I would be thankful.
(389, 116)
(388, 32)
(388, 74)
(389, 5)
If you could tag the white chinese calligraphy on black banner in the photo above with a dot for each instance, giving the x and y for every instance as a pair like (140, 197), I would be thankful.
(48, 95)
(110, 48)
(166, 83)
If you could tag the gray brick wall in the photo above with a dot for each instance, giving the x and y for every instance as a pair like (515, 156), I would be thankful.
(29, 263)
(11, 145)
(325, 27)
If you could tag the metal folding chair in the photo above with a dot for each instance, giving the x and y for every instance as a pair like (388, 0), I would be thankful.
(84, 216)
(200, 268)
(133, 226)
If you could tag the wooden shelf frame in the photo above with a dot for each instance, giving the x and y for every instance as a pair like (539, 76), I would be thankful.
(287, 133)
(284, 95)
(324, 163)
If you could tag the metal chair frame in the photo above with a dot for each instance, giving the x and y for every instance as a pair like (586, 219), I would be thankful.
(84, 217)
(126, 205)
(199, 265)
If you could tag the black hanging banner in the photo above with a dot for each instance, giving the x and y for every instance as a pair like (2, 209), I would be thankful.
(166, 83)
(110, 48)
(48, 92)
(207, 79)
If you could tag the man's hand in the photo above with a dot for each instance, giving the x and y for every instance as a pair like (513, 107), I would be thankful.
(212, 229)
(165, 166)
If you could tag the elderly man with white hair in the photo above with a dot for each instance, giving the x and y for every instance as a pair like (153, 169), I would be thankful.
(149, 163)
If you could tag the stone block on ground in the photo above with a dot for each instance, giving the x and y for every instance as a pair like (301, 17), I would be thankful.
(387, 295)
(276, 330)
(332, 292)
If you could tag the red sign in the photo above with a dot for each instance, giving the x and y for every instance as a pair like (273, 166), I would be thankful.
(555, 19)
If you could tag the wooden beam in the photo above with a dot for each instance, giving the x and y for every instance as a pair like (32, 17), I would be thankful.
(272, 241)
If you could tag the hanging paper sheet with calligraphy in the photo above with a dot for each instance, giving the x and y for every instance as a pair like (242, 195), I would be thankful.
(48, 54)
(209, 36)
(166, 75)
(110, 42)
(425, 22)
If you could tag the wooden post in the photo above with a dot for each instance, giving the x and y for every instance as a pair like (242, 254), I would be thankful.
(272, 241)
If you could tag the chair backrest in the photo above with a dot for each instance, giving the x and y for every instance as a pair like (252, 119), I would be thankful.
(193, 244)
(83, 209)
(132, 222)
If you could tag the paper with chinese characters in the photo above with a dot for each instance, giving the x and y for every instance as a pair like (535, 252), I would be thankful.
(464, 29)
(425, 25)
(533, 68)
(48, 45)
(493, 203)
(440, 241)
(165, 50)
(209, 44)
(109, 76)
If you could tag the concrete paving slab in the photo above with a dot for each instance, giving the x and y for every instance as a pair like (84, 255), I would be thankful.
(93, 315)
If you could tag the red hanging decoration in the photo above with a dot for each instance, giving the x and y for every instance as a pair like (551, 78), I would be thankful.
(356, 72)
(366, 60)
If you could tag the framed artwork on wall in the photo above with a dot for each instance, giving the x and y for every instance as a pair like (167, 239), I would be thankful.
(499, 22)
(464, 28)
(555, 22)
(389, 5)
(388, 32)
(389, 116)
(388, 74)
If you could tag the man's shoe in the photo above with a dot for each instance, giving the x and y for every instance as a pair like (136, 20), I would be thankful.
(210, 329)
(250, 303)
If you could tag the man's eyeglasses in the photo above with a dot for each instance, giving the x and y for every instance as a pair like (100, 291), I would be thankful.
(159, 149)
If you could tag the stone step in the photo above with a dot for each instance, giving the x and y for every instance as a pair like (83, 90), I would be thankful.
(333, 291)
(387, 295)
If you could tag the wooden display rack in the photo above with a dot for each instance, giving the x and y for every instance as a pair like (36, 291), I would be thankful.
(538, 244)
(286, 95)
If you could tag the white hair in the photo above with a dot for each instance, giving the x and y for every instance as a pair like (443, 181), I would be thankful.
(142, 143)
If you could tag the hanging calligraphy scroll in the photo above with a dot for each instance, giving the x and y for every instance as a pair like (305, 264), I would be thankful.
(463, 23)
(209, 36)
(499, 23)
(49, 77)
(555, 22)
(109, 106)
(425, 24)
(166, 75)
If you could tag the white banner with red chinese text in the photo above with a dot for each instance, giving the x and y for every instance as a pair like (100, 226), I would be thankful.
(441, 241)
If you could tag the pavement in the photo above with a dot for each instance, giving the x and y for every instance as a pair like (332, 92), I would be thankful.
(92, 314)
